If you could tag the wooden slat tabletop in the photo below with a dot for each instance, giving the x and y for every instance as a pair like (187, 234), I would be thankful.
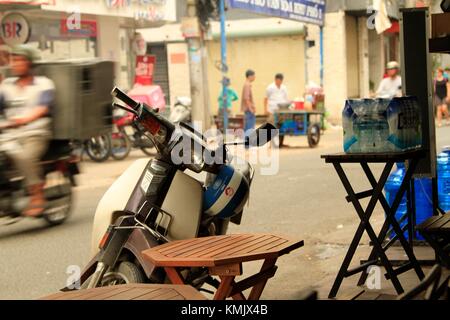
(443, 223)
(132, 292)
(436, 223)
(220, 250)
(424, 225)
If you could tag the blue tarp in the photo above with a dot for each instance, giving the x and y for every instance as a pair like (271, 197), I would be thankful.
(308, 11)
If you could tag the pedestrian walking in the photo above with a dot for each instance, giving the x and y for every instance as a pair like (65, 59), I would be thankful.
(247, 102)
(441, 96)
(231, 96)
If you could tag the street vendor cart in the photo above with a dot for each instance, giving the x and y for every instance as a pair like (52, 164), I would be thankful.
(299, 123)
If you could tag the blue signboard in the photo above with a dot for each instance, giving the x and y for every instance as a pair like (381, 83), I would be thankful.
(308, 11)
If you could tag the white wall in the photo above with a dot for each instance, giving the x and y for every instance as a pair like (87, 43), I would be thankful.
(108, 41)
(363, 51)
(351, 35)
(179, 79)
(376, 58)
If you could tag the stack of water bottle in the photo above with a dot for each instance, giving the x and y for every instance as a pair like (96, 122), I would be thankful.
(423, 191)
(381, 125)
(443, 168)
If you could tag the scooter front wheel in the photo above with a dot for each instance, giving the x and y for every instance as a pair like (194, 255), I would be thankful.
(125, 273)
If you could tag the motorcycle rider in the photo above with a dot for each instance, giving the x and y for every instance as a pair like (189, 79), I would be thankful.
(25, 102)
(390, 87)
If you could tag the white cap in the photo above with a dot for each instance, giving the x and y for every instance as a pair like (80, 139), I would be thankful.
(393, 65)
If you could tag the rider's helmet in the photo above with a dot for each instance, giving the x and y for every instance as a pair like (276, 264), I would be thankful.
(26, 51)
(227, 194)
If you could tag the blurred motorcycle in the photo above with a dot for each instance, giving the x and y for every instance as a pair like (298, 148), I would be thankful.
(98, 148)
(59, 171)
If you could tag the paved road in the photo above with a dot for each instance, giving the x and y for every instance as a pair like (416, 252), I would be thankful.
(304, 200)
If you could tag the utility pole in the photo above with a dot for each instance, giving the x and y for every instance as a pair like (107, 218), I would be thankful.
(223, 41)
(199, 85)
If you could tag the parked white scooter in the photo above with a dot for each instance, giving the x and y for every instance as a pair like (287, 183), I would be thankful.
(157, 201)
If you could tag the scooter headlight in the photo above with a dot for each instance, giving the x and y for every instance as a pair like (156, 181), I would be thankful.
(188, 150)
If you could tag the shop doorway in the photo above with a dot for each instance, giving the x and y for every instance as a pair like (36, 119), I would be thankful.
(161, 71)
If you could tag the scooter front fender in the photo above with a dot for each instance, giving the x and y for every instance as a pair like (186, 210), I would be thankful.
(139, 241)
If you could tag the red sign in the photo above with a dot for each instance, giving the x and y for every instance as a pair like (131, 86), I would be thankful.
(144, 69)
(85, 28)
(178, 58)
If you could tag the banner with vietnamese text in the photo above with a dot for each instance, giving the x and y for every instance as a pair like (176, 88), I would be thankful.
(308, 11)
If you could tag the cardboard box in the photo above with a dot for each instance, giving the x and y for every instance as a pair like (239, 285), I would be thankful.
(83, 97)
(440, 25)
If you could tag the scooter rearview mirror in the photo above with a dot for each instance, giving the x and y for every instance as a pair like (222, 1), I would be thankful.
(261, 136)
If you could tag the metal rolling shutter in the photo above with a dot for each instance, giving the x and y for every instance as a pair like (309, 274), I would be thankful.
(161, 72)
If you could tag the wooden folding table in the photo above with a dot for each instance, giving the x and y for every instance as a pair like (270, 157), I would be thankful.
(223, 256)
(375, 194)
(131, 292)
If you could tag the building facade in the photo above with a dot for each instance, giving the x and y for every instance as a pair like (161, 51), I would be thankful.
(266, 45)
(73, 29)
(355, 55)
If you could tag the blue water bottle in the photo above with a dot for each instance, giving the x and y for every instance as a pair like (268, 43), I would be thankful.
(391, 188)
(381, 132)
(443, 167)
(424, 201)
(348, 116)
(423, 198)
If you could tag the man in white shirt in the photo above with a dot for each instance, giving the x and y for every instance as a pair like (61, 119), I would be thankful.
(276, 94)
(391, 86)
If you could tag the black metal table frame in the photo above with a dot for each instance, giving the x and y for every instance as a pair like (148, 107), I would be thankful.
(378, 253)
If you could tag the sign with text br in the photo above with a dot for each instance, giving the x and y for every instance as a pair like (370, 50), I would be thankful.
(308, 11)
(15, 29)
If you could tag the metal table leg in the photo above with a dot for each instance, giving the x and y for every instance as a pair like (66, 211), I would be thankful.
(391, 221)
(364, 226)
